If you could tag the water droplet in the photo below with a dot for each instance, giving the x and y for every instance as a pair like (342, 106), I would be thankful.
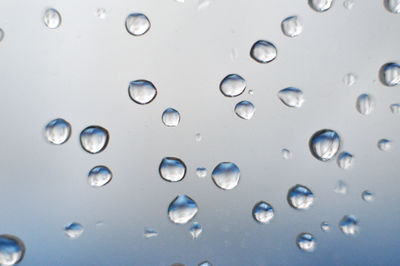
(171, 117)
(182, 209)
(172, 169)
(263, 52)
(245, 110)
(101, 13)
(57, 131)
(137, 24)
(12, 250)
(201, 172)
(320, 5)
(203, 4)
(205, 263)
(340, 187)
(198, 137)
(251, 92)
(384, 145)
(349, 79)
(325, 227)
(348, 4)
(73, 230)
(180, 1)
(232, 85)
(234, 54)
(292, 26)
(390, 73)
(286, 154)
(142, 91)
(300, 197)
(51, 18)
(94, 139)
(99, 176)
(393, 6)
(263, 212)
(324, 144)
(291, 97)
(99, 223)
(345, 160)
(226, 175)
(365, 104)
(2, 34)
(196, 230)
(395, 108)
(368, 196)
(150, 233)
(306, 242)
(349, 225)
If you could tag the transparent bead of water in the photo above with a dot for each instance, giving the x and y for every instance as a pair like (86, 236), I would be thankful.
(94, 139)
(348, 4)
(384, 145)
(320, 5)
(340, 187)
(393, 6)
(389, 74)
(292, 26)
(73, 230)
(2, 34)
(325, 227)
(324, 144)
(395, 108)
(226, 175)
(263, 212)
(291, 97)
(182, 209)
(137, 24)
(232, 85)
(201, 172)
(198, 137)
(368, 196)
(52, 18)
(101, 13)
(172, 169)
(345, 160)
(195, 230)
(99, 176)
(245, 110)
(365, 104)
(150, 233)
(349, 79)
(12, 250)
(300, 197)
(349, 225)
(203, 4)
(205, 263)
(263, 52)
(171, 117)
(142, 91)
(306, 242)
(57, 131)
(286, 154)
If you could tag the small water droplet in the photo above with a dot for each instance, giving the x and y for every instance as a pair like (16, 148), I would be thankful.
(201, 172)
(263, 212)
(180, 1)
(234, 54)
(12, 250)
(300, 197)
(349, 79)
(101, 13)
(245, 110)
(320, 5)
(150, 233)
(205, 263)
(142, 91)
(232, 85)
(365, 104)
(182, 209)
(94, 139)
(172, 169)
(99, 176)
(324, 144)
(57, 131)
(291, 97)
(389, 73)
(348, 4)
(306, 242)
(325, 227)
(349, 225)
(393, 6)
(286, 154)
(203, 4)
(340, 187)
(384, 145)
(292, 26)
(251, 92)
(395, 108)
(196, 230)
(345, 160)
(99, 223)
(73, 230)
(226, 175)
(198, 137)
(137, 24)
(2, 34)
(171, 117)
(368, 196)
(263, 52)
(51, 18)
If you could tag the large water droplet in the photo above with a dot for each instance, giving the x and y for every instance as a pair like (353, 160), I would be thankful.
(324, 144)
(142, 91)
(263, 212)
(94, 139)
(226, 175)
(263, 52)
(300, 197)
(292, 97)
(320, 5)
(368, 196)
(245, 110)
(393, 6)
(349, 79)
(306, 242)
(205, 263)
(390, 74)
(232, 85)
(150, 233)
(286, 154)
(171, 117)
(349, 225)
(395, 108)
(325, 227)
(365, 104)
(201, 172)
(73, 230)
(340, 187)
(137, 24)
(12, 250)
(172, 169)
(292, 26)
(196, 230)
(384, 145)
(99, 176)
(182, 209)
(2, 34)
(101, 13)
(51, 18)
(57, 131)
(345, 160)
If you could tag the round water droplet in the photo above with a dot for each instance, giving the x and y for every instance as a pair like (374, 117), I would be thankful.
(245, 110)
(251, 92)
(51, 18)
(324, 144)
(325, 227)
(385, 145)
(340, 187)
(263, 52)
(300, 197)
(73, 230)
(12, 250)
(198, 137)
(57, 131)
(365, 104)
(94, 139)
(142, 91)
(348, 4)
(292, 26)
(150, 233)
(205, 263)
(393, 6)
(286, 154)
(2, 34)
(171, 117)
(263, 212)
(196, 230)
(182, 209)
(232, 85)
(99, 176)
(345, 160)
(201, 172)
(368, 196)
(390, 74)
(137, 24)
(349, 79)
(306, 242)
(349, 225)
(172, 169)
(101, 13)
(291, 97)
(226, 175)
(320, 5)
(395, 108)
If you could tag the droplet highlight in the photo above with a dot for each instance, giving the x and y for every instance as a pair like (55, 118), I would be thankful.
(12, 250)
(142, 91)
(300, 197)
(73, 230)
(99, 176)
(52, 18)
(263, 212)
(94, 139)
(137, 24)
(57, 131)
(324, 144)
(232, 85)
(292, 26)
(182, 209)
(195, 230)
(226, 175)
(172, 169)
(245, 110)
(263, 52)
(349, 225)
(306, 242)
(171, 117)
(291, 97)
